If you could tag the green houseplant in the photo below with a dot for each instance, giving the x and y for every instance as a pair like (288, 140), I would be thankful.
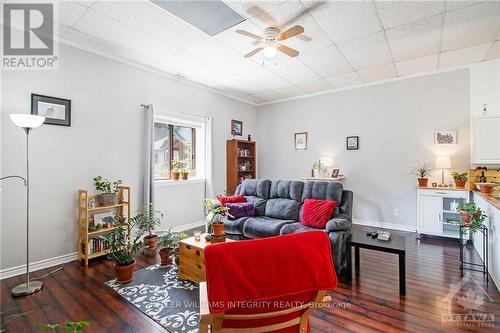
(460, 179)
(147, 219)
(169, 243)
(108, 188)
(319, 169)
(122, 249)
(69, 326)
(175, 169)
(185, 171)
(422, 172)
(215, 216)
(471, 216)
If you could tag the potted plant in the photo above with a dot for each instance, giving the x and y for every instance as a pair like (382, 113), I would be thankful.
(180, 236)
(185, 173)
(147, 218)
(471, 216)
(460, 179)
(319, 169)
(122, 249)
(422, 173)
(108, 189)
(169, 241)
(215, 217)
(175, 170)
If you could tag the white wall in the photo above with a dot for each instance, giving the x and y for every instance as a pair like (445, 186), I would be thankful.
(105, 138)
(395, 122)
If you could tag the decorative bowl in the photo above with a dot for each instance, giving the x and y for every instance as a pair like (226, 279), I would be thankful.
(486, 188)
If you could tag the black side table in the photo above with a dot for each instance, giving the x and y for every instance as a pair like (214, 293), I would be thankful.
(484, 263)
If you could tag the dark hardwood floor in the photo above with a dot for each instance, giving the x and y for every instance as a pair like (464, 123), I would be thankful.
(371, 303)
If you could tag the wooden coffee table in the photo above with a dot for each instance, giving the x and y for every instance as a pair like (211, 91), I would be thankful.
(192, 258)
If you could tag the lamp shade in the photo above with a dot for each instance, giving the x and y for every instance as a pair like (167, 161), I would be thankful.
(443, 162)
(26, 120)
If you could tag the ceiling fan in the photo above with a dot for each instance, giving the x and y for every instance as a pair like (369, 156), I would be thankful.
(272, 36)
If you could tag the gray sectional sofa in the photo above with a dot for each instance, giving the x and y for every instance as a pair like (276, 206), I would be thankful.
(278, 206)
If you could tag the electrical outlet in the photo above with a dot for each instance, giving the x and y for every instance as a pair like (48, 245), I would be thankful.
(396, 212)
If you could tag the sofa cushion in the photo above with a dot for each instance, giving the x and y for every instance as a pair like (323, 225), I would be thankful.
(295, 227)
(286, 189)
(224, 200)
(259, 204)
(285, 209)
(241, 209)
(258, 227)
(322, 191)
(234, 226)
(255, 188)
(316, 213)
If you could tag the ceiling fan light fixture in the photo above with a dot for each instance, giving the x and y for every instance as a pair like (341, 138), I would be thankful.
(270, 51)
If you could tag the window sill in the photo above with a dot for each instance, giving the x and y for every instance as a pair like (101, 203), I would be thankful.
(169, 182)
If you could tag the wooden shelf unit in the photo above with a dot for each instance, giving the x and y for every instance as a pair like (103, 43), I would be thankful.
(84, 235)
(234, 158)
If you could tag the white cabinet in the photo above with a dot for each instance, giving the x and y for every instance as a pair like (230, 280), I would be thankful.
(437, 212)
(486, 140)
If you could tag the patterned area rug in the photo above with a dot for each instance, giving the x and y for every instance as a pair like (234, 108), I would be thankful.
(157, 292)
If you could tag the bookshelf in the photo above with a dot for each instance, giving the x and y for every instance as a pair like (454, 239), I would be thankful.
(91, 243)
(240, 163)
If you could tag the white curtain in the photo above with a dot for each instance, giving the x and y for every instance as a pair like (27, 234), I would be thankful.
(209, 189)
(149, 177)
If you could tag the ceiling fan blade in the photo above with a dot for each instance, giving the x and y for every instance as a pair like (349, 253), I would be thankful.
(249, 54)
(293, 31)
(261, 15)
(309, 9)
(288, 50)
(249, 34)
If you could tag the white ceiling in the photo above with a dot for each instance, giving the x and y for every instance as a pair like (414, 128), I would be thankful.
(349, 42)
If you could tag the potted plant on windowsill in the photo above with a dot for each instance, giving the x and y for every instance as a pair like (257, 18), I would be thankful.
(460, 179)
(185, 173)
(215, 216)
(471, 216)
(122, 249)
(422, 173)
(147, 219)
(176, 169)
(109, 189)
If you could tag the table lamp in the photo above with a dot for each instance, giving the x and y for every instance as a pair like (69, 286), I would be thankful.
(443, 162)
(27, 122)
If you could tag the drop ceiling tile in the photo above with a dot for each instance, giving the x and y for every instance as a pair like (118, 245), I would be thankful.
(69, 13)
(249, 8)
(493, 52)
(219, 54)
(269, 96)
(88, 3)
(416, 39)
(193, 67)
(346, 20)
(316, 86)
(395, 13)
(417, 65)
(472, 25)
(265, 78)
(239, 83)
(463, 56)
(290, 91)
(156, 22)
(457, 4)
(314, 37)
(293, 70)
(327, 62)
(367, 51)
(377, 73)
(345, 80)
(240, 43)
(281, 16)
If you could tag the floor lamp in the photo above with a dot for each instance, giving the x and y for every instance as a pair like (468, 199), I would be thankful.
(27, 122)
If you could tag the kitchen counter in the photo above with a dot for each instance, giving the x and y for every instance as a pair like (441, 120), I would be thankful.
(495, 202)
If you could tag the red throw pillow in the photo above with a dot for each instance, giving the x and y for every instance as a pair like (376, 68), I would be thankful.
(230, 199)
(316, 213)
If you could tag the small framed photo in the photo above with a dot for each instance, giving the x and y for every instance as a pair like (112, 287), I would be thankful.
(445, 137)
(300, 140)
(335, 173)
(236, 127)
(352, 142)
(105, 219)
(57, 111)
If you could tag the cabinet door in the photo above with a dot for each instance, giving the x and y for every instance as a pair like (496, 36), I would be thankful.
(431, 208)
(487, 140)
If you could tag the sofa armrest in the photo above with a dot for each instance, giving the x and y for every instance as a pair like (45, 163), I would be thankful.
(339, 223)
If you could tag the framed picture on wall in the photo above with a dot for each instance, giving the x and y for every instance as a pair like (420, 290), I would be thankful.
(445, 137)
(352, 142)
(57, 111)
(300, 140)
(236, 127)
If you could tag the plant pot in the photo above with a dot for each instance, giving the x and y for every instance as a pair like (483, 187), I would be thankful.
(106, 199)
(422, 182)
(218, 228)
(175, 175)
(486, 189)
(151, 241)
(465, 216)
(460, 183)
(124, 274)
(184, 176)
(166, 256)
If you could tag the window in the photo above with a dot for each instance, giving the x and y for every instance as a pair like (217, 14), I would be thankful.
(173, 142)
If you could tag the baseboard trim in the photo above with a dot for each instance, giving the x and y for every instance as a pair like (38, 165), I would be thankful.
(38, 265)
(197, 224)
(393, 226)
